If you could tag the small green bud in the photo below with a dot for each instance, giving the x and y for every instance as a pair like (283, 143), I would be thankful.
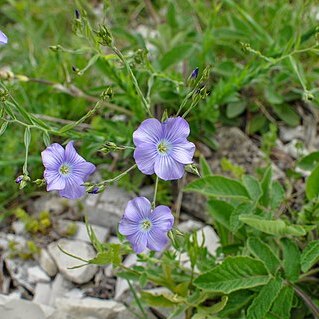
(39, 182)
(107, 94)
(104, 36)
(3, 95)
(192, 168)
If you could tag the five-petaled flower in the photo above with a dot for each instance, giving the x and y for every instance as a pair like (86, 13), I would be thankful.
(65, 170)
(144, 227)
(3, 38)
(163, 148)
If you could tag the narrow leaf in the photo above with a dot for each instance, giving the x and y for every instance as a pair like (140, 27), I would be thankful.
(312, 184)
(310, 255)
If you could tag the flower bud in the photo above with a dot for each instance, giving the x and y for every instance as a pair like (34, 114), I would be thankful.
(104, 36)
(192, 168)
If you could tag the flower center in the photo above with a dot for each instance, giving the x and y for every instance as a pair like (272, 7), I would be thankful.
(146, 225)
(64, 169)
(163, 147)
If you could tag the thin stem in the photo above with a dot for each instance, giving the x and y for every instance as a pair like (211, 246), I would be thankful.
(135, 83)
(111, 180)
(311, 272)
(137, 299)
(155, 192)
(314, 309)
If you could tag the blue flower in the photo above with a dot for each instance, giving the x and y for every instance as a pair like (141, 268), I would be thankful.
(3, 38)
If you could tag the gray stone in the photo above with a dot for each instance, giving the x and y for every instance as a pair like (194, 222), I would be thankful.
(295, 148)
(63, 261)
(18, 227)
(189, 226)
(210, 238)
(288, 134)
(42, 293)
(47, 263)
(107, 208)
(60, 286)
(101, 233)
(21, 309)
(36, 274)
(50, 203)
(91, 308)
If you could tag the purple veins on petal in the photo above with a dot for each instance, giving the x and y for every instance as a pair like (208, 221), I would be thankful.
(163, 148)
(3, 38)
(144, 227)
(65, 170)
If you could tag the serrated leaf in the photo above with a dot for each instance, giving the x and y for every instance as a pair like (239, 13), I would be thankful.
(277, 195)
(291, 259)
(263, 252)
(264, 300)
(235, 273)
(220, 211)
(309, 162)
(218, 186)
(272, 227)
(310, 255)
(281, 307)
(312, 184)
(253, 187)
(242, 209)
(266, 187)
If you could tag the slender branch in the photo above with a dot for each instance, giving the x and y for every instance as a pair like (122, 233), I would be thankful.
(314, 309)
(155, 192)
(111, 180)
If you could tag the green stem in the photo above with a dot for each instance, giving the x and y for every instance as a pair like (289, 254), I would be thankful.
(307, 300)
(111, 180)
(137, 299)
(155, 193)
(135, 83)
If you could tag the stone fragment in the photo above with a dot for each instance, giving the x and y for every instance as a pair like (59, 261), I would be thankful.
(47, 263)
(42, 293)
(36, 274)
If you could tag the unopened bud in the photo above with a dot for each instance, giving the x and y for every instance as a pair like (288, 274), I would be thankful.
(107, 94)
(192, 168)
(77, 14)
(104, 36)
(194, 74)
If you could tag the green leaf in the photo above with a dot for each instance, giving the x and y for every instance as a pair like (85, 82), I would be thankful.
(277, 195)
(286, 113)
(46, 139)
(205, 169)
(291, 259)
(242, 209)
(220, 211)
(264, 300)
(235, 109)
(236, 301)
(218, 186)
(309, 162)
(263, 252)
(253, 187)
(282, 305)
(235, 273)
(156, 300)
(176, 54)
(310, 255)
(206, 312)
(3, 127)
(266, 187)
(272, 227)
(312, 184)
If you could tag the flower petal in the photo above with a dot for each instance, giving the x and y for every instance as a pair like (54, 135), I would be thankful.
(175, 128)
(138, 241)
(83, 170)
(128, 227)
(156, 239)
(53, 156)
(3, 38)
(145, 155)
(73, 188)
(168, 168)
(54, 180)
(162, 218)
(137, 209)
(71, 156)
(149, 131)
(183, 152)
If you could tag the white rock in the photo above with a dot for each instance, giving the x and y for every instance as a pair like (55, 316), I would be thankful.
(101, 233)
(294, 150)
(74, 294)
(92, 308)
(60, 286)
(210, 238)
(42, 293)
(18, 227)
(36, 274)
(107, 208)
(288, 134)
(63, 261)
(47, 263)
(21, 309)
(189, 226)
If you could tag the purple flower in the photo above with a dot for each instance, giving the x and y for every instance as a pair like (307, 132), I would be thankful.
(19, 179)
(194, 74)
(163, 147)
(3, 38)
(145, 228)
(65, 170)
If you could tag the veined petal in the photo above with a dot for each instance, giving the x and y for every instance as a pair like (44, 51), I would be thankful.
(3, 38)
(167, 168)
(71, 156)
(150, 131)
(138, 241)
(183, 152)
(73, 188)
(145, 155)
(156, 239)
(128, 227)
(137, 209)
(162, 218)
(53, 156)
(54, 180)
(83, 170)
(175, 128)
